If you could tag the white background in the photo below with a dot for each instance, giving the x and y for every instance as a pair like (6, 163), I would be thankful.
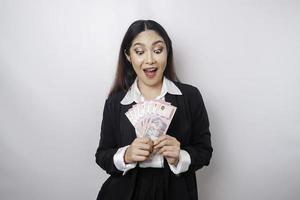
(57, 62)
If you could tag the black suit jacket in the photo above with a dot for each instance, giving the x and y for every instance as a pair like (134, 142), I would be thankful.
(190, 126)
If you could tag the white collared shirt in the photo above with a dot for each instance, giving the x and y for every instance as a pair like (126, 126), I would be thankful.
(157, 161)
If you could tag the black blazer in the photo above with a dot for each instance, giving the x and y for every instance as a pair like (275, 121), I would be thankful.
(190, 126)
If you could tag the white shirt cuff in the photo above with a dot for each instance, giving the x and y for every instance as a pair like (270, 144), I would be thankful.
(183, 163)
(119, 160)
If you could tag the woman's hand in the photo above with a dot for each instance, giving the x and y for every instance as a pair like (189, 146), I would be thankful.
(169, 147)
(139, 150)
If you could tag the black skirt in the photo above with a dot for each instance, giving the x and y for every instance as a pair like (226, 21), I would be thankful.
(150, 184)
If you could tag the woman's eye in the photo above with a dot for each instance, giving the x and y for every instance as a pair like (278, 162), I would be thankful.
(139, 52)
(158, 51)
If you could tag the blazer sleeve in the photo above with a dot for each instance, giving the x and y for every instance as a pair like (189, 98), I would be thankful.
(108, 143)
(199, 146)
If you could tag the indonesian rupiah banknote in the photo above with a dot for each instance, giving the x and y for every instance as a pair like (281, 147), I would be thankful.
(151, 118)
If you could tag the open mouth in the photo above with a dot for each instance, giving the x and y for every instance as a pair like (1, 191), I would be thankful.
(150, 72)
(151, 69)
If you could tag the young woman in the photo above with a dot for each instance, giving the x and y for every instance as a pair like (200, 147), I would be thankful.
(146, 72)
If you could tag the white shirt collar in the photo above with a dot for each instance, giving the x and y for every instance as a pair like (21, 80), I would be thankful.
(134, 94)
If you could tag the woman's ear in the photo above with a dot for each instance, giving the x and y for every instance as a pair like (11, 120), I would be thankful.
(127, 56)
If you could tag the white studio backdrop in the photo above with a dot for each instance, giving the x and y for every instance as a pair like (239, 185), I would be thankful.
(57, 62)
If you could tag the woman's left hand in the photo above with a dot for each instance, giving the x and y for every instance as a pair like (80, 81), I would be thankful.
(169, 147)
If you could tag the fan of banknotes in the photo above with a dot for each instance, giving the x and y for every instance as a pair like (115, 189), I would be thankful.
(151, 118)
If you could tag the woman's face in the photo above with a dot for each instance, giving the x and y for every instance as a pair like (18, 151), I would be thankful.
(148, 56)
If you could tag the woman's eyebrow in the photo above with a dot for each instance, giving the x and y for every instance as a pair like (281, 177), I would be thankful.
(158, 41)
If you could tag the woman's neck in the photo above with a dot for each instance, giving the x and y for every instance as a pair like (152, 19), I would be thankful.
(150, 92)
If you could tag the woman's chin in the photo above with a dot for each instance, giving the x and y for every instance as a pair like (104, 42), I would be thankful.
(151, 82)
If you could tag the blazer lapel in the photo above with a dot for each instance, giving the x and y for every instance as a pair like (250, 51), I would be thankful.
(173, 99)
(127, 130)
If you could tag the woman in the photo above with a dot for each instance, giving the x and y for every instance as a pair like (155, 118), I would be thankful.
(146, 72)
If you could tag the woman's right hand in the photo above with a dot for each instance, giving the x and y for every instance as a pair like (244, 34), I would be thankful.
(139, 150)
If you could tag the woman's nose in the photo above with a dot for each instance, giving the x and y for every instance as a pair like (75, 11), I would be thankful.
(149, 58)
